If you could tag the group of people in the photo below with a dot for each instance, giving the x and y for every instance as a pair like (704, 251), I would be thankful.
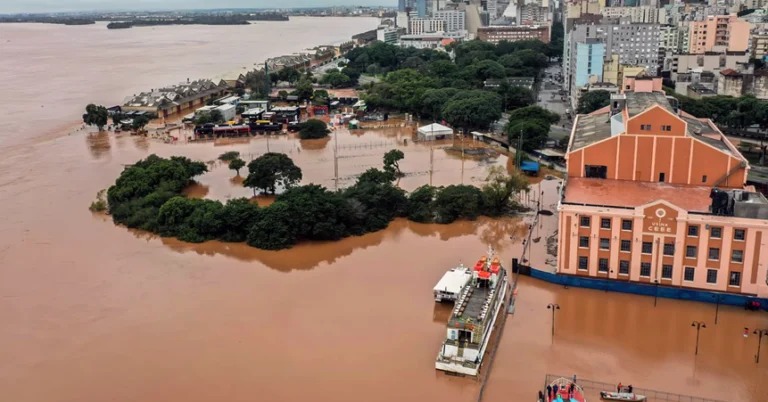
(620, 388)
(552, 392)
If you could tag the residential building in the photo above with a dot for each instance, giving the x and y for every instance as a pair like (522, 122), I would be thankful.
(717, 33)
(669, 38)
(614, 72)
(421, 8)
(455, 20)
(759, 46)
(635, 44)
(643, 14)
(491, 6)
(745, 81)
(435, 40)
(636, 206)
(699, 91)
(535, 13)
(496, 34)
(588, 67)
(420, 26)
(702, 69)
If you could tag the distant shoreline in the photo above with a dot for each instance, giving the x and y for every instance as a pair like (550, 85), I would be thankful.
(236, 19)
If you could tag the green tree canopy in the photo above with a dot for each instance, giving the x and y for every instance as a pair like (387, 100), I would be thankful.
(458, 201)
(534, 132)
(499, 189)
(391, 162)
(304, 89)
(473, 110)
(421, 204)
(139, 123)
(96, 116)
(336, 80)
(236, 164)
(312, 129)
(271, 170)
(229, 156)
(593, 100)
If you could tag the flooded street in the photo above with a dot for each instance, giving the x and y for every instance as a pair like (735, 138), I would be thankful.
(96, 312)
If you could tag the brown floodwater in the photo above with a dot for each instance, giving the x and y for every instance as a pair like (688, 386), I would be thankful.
(92, 311)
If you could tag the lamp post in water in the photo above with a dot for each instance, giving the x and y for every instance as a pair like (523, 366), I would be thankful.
(759, 333)
(698, 325)
(553, 307)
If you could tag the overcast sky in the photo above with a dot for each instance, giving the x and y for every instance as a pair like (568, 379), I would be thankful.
(47, 6)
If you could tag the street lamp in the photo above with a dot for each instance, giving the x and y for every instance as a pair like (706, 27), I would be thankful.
(759, 333)
(717, 307)
(553, 307)
(656, 293)
(698, 325)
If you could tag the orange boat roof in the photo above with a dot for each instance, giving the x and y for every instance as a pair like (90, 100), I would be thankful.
(484, 274)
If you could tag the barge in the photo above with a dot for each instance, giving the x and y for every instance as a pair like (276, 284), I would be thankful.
(473, 318)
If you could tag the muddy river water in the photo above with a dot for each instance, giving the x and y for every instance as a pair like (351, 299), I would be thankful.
(95, 312)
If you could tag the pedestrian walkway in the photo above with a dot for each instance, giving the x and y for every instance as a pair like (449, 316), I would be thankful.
(591, 388)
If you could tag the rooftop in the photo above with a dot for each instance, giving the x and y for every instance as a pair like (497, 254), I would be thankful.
(637, 102)
(627, 193)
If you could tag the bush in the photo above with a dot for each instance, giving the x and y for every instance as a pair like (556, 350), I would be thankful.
(312, 129)
(458, 201)
(421, 204)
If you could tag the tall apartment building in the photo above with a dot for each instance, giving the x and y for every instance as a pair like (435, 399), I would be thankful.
(455, 20)
(418, 26)
(643, 14)
(492, 7)
(635, 44)
(587, 67)
(718, 32)
(534, 13)
(657, 196)
(669, 38)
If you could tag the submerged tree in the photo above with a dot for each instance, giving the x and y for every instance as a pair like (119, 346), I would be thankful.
(237, 164)
(312, 129)
(96, 116)
(271, 170)
(500, 188)
(391, 160)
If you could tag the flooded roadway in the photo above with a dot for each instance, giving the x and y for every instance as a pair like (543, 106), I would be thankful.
(95, 312)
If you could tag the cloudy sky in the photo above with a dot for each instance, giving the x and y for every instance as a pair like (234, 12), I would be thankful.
(43, 6)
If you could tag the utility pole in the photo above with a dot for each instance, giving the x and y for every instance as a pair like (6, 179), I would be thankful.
(698, 325)
(518, 151)
(760, 333)
(267, 134)
(553, 307)
(431, 163)
(336, 158)
(462, 159)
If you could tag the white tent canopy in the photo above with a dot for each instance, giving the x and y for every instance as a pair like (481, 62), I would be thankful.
(434, 131)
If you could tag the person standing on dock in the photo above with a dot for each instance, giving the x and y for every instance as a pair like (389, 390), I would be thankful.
(554, 389)
(549, 392)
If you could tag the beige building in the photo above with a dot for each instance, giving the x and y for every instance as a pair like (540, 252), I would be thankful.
(643, 14)
(614, 72)
(718, 33)
(759, 45)
(747, 81)
(418, 26)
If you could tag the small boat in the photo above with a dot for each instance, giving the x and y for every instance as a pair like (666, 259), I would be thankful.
(621, 396)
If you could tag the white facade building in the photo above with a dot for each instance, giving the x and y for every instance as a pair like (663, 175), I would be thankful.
(669, 38)
(420, 26)
(455, 20)
(644, 14)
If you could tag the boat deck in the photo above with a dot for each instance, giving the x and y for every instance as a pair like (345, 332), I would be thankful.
(475, 303)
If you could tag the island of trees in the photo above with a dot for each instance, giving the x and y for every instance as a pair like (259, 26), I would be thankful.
(197, 20)
(148, 196)
(46, 20)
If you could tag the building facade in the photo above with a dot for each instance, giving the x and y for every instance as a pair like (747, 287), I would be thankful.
(643, 14)
(718, 33)
(496, 34)
(636, 203)
(455, 20)
(420, 26)
(759, 46)
(669, 38)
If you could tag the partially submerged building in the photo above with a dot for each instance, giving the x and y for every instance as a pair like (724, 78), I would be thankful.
(654, 195)
(174, 99)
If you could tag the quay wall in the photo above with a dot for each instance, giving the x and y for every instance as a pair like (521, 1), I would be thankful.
(644, 289)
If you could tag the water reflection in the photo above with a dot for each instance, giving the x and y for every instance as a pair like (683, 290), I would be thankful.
(98, 144)
(315, 145)
(310, 255)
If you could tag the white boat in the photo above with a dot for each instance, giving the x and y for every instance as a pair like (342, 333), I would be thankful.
(452, 283)
(621, 396)
(474, 317)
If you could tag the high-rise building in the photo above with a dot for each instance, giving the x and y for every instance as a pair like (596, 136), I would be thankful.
(455, 20)
(421, 8)
(645, 14)
(718, 32)
(401, 4)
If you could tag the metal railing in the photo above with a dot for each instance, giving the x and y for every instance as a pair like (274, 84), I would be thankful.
(650, 394)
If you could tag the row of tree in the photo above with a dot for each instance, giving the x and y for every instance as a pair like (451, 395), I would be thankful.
(726, 111)
(148, 196)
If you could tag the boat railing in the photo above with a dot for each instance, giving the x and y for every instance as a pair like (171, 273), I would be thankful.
(652, 395)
